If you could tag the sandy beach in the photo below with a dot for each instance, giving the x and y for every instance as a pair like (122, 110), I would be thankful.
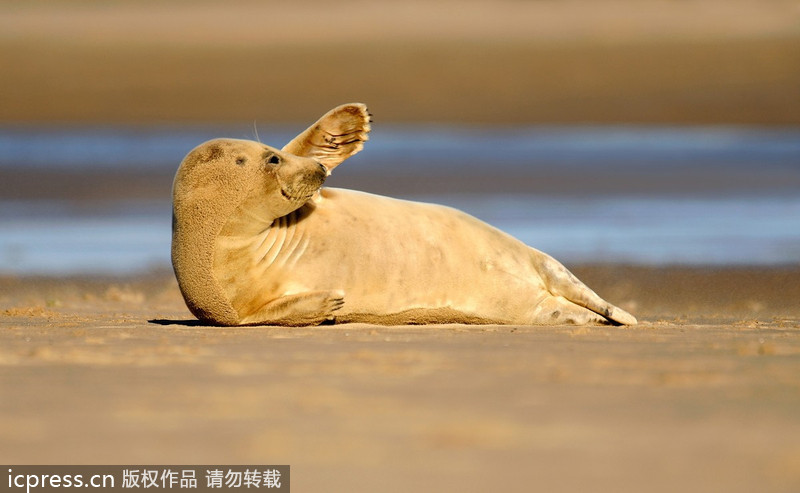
(701, 396)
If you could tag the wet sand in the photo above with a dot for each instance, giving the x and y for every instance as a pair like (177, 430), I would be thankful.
(701, 396)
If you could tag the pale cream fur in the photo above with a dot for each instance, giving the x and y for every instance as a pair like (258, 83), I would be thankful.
(256, 240)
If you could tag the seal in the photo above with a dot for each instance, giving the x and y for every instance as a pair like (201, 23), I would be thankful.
(257, 240)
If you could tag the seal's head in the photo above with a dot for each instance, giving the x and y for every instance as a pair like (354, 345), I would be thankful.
(225, 173)
(233, 184)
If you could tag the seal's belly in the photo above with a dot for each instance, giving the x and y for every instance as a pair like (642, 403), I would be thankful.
(389, 256)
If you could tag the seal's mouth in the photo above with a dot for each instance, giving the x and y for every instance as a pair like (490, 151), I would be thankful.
(300, 185)
(303, 197)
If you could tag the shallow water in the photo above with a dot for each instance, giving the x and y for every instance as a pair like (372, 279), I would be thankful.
(753, 219)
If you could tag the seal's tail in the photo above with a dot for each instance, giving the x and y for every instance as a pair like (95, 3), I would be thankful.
(562, 282)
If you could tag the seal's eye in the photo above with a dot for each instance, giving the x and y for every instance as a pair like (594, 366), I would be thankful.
(240, 161)
(274, 159)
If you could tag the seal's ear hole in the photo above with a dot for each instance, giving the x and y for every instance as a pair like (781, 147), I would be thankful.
(240, 161)
(274, 159)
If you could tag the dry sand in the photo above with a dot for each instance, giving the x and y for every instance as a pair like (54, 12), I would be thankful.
(697, 61)
(703, 395)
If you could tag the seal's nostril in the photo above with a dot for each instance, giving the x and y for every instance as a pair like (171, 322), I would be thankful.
(324, 169)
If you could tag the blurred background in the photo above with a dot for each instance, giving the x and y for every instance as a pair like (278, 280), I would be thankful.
(609, 131)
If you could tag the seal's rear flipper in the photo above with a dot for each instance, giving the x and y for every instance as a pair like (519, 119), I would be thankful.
(561, 282)
(336, 136)
(620, 316)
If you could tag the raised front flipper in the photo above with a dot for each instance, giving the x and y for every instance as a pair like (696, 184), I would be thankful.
(336, 136)
(298, 309)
